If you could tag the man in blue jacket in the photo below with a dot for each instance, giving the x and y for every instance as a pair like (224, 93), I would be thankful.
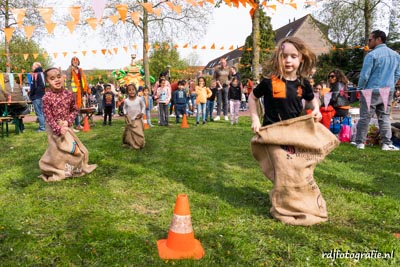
(381, 68)
(36, 93)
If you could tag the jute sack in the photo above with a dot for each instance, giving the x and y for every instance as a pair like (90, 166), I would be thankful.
(288, 152)
(133, 135)
(65, 156)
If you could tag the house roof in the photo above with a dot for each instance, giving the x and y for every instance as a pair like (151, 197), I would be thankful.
(228, 56)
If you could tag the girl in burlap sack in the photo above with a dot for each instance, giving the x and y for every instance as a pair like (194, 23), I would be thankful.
(288, 147)
(134, 109)
(65, 156)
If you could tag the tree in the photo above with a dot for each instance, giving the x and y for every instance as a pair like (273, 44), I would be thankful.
(7, 20)
(18, 47)
(266, 37)
(151, 28)
(165, 58)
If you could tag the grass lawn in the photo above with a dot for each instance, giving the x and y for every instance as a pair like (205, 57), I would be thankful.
(114, 216)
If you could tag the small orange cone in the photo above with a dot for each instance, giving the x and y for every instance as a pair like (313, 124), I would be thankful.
(184, 122)
(181, 243)
(146, 126)
(86, 126)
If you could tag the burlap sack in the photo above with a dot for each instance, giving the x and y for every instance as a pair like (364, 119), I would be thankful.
(65, 156)
(288, 153)
(133, 135)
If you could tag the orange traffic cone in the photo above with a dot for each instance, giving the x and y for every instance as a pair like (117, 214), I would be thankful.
(146, 126)
(86, 126)
(181, 243)
(184, 122)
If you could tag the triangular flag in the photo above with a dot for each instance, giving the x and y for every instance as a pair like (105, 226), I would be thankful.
(11, 81)
(2, 82)
(65, 54)
(157, 12)
(194, 47)
(231, 47)
(19, 15)
(156, 46)
(203, 47)
(327, 98)
(176, 46)
(166, 47)
(212, 46)
(114, 19)
(201, 3)
(94, 52)
(29, 31)
(98, 7)
(310, 3)
(192, 2)
(384, 92)
(103, 51)
(135, 16)
(50, 27)
(75, 13)
(84, 53)
(55, 55)
(26, 56)
(92, 22)
(8, 32)
(45, 55)
(148, 7)
(115, 50)
(294, 5)
(228, 2)
(211, 2)
(185, 45)
(243, 2)
(109, 51)
(35, 55)
(122, 10)
(178, 9)
(134, 46)
(222, 48)
(71, 26)
(367, 93)
(280, 1)
(46, 14)
(126, 49)
(170, 5)
(235, 3)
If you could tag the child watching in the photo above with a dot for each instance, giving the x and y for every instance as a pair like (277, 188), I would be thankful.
(180, 100)
(211, 100)
(234, 96)
(148, 100)
(202, 93)
(108, 104)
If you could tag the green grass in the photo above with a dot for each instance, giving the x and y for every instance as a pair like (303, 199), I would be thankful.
(114, 216)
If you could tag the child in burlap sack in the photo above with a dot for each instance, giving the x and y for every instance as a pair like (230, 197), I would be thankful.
(289, 147)
(134, 109)
(65, 156)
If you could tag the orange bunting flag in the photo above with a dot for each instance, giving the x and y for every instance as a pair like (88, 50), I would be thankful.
(84, 53)
(203, 47)
(50, 27)
(75, 13)
(201, 3)
(35, 55)
(114, 19)
(170, 5)
(280, 1)
(92, 22)
(45, 55)
(292, 4)
(311, 3)
(192, 2)
(194, 47)
(251, 12)
(166, 47)
(147, 46)
(115, 50)
(178, 9)
(135, 16)
(185, 45)
(55, 55)
(8, 32)
(103, 51)
(65, 54)
(222, 48)
(26, 56)
(94, 52)
(19, 15)
(156, 46)
(210, 1)
(157, 12)
(148, 7)
(109, 51)
(46, 14)
(122, 10)
(228, 2)
(231, 48)
(235, 3)
(29, 31)
(212, 46)
(176, 46)
(71, 26)
(134, 47)
(126, 49)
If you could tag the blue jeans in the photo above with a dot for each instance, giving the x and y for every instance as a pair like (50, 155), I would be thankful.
(37, 105)
(180, 109)
(148, 117)
(209, 109)
(201, 107)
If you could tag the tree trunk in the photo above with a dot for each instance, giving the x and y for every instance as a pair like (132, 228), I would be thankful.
(145, 48)
(6, 44)
(368, 19)
(256, 43)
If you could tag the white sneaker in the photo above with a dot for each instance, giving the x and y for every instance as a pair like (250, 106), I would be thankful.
(360, 146)
(226, 118)
(386, 147)
(217, 118)
(75, 130)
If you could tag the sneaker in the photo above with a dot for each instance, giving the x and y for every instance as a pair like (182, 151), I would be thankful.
(226, 118)
(79, 127)
(75, 130)
(38, 130)
(204, 122)
(197, 123)
(217, 118)
(386, 147)
(360, 146)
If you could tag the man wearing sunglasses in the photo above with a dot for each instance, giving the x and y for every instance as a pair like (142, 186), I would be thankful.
(381, 68)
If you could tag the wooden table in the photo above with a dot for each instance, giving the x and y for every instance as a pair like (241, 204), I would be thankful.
(5, 117)
(87, 112)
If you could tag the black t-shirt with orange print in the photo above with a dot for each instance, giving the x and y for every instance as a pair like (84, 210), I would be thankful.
(282, 99)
